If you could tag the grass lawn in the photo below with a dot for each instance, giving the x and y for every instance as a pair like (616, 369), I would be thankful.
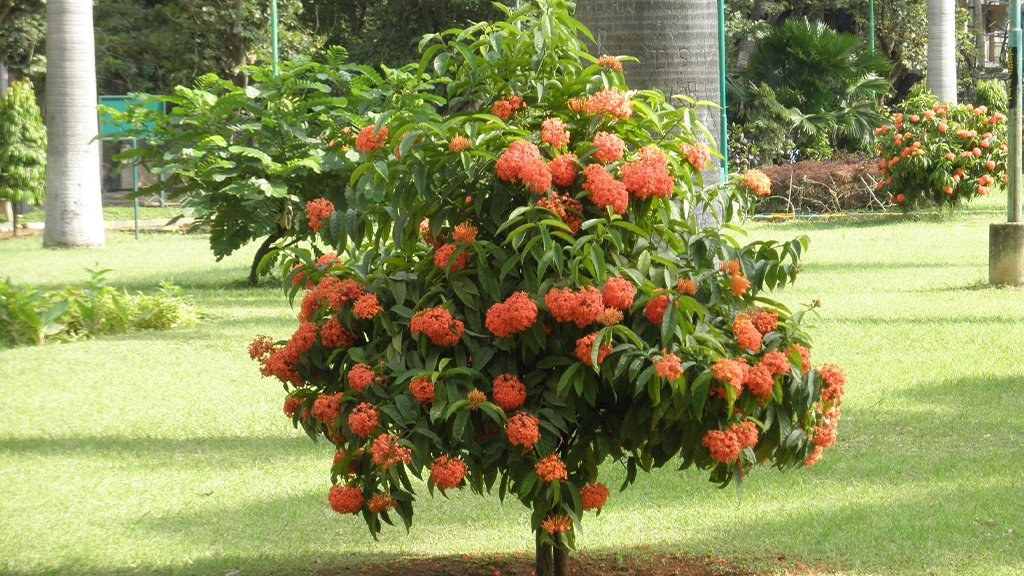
(165, 453)
(112, 213)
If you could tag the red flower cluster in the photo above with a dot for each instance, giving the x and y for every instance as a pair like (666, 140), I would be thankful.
(552, 131)
(556, 524)
(366, 307)
(516, 314)
(649, 176)
(805, 356)
(550, 469)
(438, 325)
(759, 381)
(618, 293)
(360, 377)
(605, 190)
(345, 500)
(336, 292)
(747, 335)
(507, 106)
(422, 389)
(609, 147)
(610, 62)
(522, 163)
(386, 452)
(739, 282)
(260, 348)
(363, 420)
(567, 208)
(585, 345)
(725, 446)
(443, 258)
(339, 455)
(610, 103)
(563, 170)
(447, 473)
(731, 372)
(317, 212)
(824, 436)
(380, 503)
(459, 143)
(326, 409)
(757, 182)
(835, 380)
(610, 317)
(655, 308)
(765, 321)
(333, 335)
(327, 261)
(776, 363)
(583, 307)
(291, 404)
(669, 367)
(594, 496)
(523, 430)
(697, 155)
(464, 233)
(369, 139)
(509, 392)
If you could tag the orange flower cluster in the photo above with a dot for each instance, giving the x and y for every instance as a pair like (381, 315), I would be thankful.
(725, 446)
(291, 404)
(747, 335)
(582, 307)
(386, 452)
(567, 208)
(824, 436)
(438, 325)
(333, 335)
(609, 147)
(605, 190)
(765, 321)
(345, 500)
(363, 420)
(757, 182)
(523, 163)
(618, 293)
(655, 308)
(585, 345)
(835, 380)
(805, 356)
(610, 317)
(318, 212)
(380, 503)
(523, 430)
(731, 372)
(422, 389)
(563, 170)
(552, 131)
(326, 409)
(697, 155)
(759, 381)
(260, 348)
(335, 292)
(509, 392)
(738, 281)
(556, 524)
(776, 363)
(594, 496)
(464, 233)
(447, 473)
(475, 398)
(360, 377)
(610, 103)
(550, 469)
(369, 139)
(610, 62)
(507, 106)
(515, 315)
(459, 143)
(669, 366)
(366, 307)
(339, 455)
(328, 261)
(648, 177)
(686, 286)
(443, 258)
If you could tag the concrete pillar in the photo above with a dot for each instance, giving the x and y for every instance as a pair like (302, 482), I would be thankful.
(1006, 253)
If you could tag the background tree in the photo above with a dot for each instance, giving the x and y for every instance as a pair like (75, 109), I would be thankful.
(942, 49)
(22, 31)
(22, 147)
(74, 211)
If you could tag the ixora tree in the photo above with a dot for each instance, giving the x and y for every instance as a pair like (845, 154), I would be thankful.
(517, 293)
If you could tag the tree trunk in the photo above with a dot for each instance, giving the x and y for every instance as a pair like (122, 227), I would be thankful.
(545, 563)
(942, 49)
(264, 249)
(74, 207)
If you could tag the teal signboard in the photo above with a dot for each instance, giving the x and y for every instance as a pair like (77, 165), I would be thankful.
(113, 130)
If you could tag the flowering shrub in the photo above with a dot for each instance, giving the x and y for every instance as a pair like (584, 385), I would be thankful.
(940, 154)
(545, 300)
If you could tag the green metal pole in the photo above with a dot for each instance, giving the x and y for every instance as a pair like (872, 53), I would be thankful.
(723, 131)
(871, 25)
(273, 37)
(1014, 160)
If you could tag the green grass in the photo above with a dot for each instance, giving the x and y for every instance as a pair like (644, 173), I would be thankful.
(116, 213)
(164, 453)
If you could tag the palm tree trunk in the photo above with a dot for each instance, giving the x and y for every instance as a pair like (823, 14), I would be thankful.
(74, 210)
(942, 49)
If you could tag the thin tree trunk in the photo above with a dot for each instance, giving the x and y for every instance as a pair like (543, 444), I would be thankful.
(264, 249)
(14, 219)
(545, 565)
(561, 562)
(74, 207)
(942, 49)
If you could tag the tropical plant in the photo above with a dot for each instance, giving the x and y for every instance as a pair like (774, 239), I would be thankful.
(761, 134)
(518, 291)
(935, 153)
(992, 95)
(22, 147)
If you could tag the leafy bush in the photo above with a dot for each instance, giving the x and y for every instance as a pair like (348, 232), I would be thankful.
(940, 154)
(534, 297)
(30, 315)
(22, 147)
(763, 136)
(992, 95)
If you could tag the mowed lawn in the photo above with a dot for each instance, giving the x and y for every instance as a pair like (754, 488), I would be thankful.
(165, 453)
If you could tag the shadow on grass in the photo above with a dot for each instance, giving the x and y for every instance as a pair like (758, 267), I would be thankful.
(156, 447)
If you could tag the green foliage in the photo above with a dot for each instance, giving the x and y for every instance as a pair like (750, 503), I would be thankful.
(992, 94)
(599, 390)
(22, 145)
(22, 28)
(939, 154)
(762, 135)
(31, 316)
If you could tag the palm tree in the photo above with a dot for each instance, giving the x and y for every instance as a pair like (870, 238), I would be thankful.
(942, 49)
(74, 211)
(676, 42)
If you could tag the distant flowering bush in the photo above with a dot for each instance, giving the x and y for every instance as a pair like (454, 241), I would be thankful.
(526, 294)
(932, 153)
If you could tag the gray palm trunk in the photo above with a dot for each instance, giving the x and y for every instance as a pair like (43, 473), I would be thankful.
(942, 49)
(74, 211)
